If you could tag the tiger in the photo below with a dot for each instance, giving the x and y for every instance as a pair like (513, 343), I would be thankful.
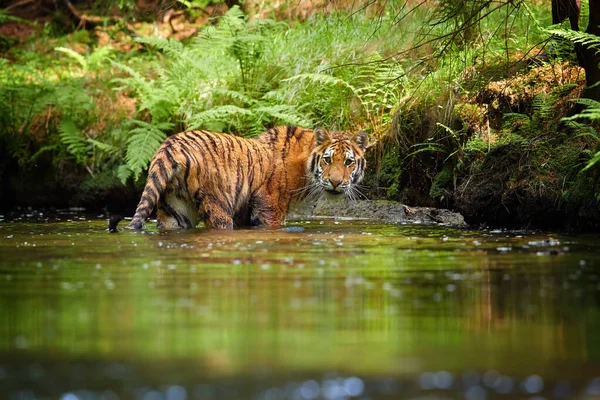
(229, 181)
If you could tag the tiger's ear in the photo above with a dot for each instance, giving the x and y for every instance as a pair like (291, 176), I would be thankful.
(321, 136)
(362, 140)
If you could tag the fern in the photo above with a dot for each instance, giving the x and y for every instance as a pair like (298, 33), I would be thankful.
(141, 146)
(6, 17)
(593, 161)
(96, 59)
(123, 173)
(225, 114)
(579, 37)
(591, 112)
(234, 95)
(74, 55)
(105, 147)
(283, 114)
(169, 46)
(70, 136)
(321, 79)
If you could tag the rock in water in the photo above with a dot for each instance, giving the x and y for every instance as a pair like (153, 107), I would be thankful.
(374, 210)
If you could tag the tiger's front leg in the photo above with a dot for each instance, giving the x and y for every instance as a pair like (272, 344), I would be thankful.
(267, 212)
(215, 216)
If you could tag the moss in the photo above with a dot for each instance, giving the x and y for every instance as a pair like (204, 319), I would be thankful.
(529, 183)
(390, 171)
(442, 183)
(393, 192)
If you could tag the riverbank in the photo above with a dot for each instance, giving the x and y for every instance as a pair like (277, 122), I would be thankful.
(485, 129)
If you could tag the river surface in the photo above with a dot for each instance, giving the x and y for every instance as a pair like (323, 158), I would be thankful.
(319, 310)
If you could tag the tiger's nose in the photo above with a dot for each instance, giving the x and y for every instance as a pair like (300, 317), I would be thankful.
(335, 182)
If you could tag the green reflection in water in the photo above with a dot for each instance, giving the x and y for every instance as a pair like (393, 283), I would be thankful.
(357, 298)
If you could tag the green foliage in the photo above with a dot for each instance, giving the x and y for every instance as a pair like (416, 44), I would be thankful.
(71, 137)
(244, 76)
(5, 17)
(48, 108)
(589, 114)
(142, 142)
(442, 183)
(92, 62)
(398, 76)
(583, 38)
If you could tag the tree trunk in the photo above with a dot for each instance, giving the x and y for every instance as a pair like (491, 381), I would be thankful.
(590, 60)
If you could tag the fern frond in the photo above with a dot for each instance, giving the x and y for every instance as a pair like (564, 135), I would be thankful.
(74, 55)
(591, 112)
(514, 117)
(595, 159)
(591, 103)
(123, 173)
(70, 136)
(6, 17)
(234, 95)
(136, 81)
(43, 150)
(142, 144)
(222, 35)
(160, 106)
(99, 55)
(283, 114)
(169, 46)
(583, 38)
(424, 147)
(106, 147)
(222, 113)
(320, 79)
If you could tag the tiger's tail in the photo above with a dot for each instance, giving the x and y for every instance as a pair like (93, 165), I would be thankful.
(160, 173)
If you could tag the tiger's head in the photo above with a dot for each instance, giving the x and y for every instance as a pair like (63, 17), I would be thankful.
(337, 163)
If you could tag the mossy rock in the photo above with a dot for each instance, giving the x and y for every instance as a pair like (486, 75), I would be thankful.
(373, 210)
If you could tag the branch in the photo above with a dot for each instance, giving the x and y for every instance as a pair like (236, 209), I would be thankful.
(91, 21)
(19, 4)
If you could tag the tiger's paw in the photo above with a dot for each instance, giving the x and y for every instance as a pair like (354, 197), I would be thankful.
(135, 225)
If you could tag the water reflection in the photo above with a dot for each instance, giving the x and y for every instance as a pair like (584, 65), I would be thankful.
(332, 310)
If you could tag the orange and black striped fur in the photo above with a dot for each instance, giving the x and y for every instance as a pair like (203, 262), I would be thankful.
(228, 181)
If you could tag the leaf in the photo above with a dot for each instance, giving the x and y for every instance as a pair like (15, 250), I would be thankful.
(169, 46)
(108, 148)
(41, 151)
(234, 95)
(123, 173)
(595, 159)
(71, 137)
(221, 113)
(285, 114)
(322, 79)
(99, 55)
(583, 38)
(74, 55)
(142, 144)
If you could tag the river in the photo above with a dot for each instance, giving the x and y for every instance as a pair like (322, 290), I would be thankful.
(323, 309)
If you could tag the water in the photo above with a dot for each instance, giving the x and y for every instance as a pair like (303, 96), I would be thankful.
(321, 310)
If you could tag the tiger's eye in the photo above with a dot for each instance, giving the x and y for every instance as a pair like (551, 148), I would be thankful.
(348, 162)
(327, 159)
